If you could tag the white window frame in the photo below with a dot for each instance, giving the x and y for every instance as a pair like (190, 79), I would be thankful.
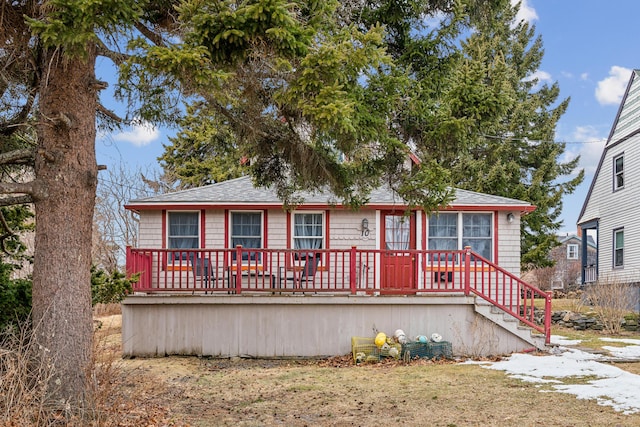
(489, 239)
(172, 259)
(447, 238)
(322, 238)
(618, 175)
(572, 251)
(460, 238)
(231, 235)
(616, 232)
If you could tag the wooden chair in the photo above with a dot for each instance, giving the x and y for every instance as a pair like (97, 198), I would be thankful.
(306, 275)
(202, 268)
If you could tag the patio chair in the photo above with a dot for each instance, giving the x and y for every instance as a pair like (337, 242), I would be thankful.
(202, 268)
(305, 275)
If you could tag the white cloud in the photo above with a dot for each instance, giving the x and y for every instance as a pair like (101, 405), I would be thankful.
(611, 89)
(584, 76)
(589, 150)
(526, 13)
(141, 134)
(540, 75)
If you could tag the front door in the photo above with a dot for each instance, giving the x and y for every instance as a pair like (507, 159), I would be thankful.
(398, 239)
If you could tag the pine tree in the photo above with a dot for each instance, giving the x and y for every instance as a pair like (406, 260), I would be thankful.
(513, 154)
(476, 109)
(286, 77)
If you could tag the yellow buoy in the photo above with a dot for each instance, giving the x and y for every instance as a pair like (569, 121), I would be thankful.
(381, 339)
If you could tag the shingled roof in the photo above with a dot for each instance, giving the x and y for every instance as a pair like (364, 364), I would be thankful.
(241, 191)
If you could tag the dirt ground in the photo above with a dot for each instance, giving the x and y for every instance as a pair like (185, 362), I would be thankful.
(192, 391)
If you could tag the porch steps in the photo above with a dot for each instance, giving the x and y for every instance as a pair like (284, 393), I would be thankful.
(511, 324)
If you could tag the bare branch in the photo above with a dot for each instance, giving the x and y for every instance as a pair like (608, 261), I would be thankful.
(117, 57)
(9, 233)
(22, 155)
(17, 187)
(150, 34)
(10, 126)
(15, 200)
(110, 114)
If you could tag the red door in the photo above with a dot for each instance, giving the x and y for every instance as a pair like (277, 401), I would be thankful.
(398, 239)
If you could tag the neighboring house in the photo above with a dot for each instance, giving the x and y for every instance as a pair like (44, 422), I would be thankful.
(611, 206)
(232, 247)
(566, 273)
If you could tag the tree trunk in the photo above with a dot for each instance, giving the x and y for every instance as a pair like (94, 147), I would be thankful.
(65, 189)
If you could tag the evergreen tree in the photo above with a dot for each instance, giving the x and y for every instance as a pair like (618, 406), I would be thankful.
(514, 154)
(298, 87)
(477, 110)
(205, 151)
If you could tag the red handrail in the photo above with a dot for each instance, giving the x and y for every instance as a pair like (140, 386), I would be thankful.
(350, 271)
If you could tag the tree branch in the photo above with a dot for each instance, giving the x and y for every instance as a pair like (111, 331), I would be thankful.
(117, 57)
(17, 156)
(15, 200)
(110, 114)
(235, 122)
(17, 187)
(150, 34)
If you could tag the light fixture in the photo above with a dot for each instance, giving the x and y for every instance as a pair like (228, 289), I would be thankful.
(510, 217)
(365, 224)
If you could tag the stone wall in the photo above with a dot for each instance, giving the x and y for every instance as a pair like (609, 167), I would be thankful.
(581, 322)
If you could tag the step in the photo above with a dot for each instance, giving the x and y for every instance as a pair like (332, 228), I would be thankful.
(511, 324)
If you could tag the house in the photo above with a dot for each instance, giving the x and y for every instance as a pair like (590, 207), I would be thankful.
(225, 270)
(566, 273)
(612, 202)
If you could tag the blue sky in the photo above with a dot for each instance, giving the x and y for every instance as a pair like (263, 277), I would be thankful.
(591, 47)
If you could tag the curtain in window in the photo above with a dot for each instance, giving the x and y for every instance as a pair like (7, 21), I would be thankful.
(246, 229)
(443, 232)
(183, 232)
(307, 231)
(476, 232)
(397, 232)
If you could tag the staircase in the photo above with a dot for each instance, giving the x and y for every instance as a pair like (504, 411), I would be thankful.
(510, 323)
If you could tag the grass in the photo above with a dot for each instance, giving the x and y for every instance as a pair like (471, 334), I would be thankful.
(564, 304)
(190, 391)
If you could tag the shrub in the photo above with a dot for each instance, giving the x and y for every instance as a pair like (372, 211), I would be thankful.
(109, 288)
(15, 298)
(611, 301)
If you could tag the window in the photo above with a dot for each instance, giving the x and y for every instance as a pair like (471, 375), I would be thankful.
(618, 247)
(446, 233)
(572, 251)
(246, 230)
(308, 231)
(183, 231)
(618, 172)
(397, 230)
(443, 232)
(476, 232)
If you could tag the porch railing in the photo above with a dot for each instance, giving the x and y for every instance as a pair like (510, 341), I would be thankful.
(590, 274)
(334, 271)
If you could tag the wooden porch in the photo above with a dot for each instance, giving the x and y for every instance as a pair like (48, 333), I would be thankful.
(270, 277)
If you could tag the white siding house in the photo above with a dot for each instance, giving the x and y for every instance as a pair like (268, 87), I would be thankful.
(226, 270)
(612, 204)
(342, 228)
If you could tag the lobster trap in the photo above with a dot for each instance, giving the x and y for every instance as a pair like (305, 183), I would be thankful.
(428, 350)
(364, 349)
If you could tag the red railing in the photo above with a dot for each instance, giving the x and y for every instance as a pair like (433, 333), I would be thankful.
(330, 271)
